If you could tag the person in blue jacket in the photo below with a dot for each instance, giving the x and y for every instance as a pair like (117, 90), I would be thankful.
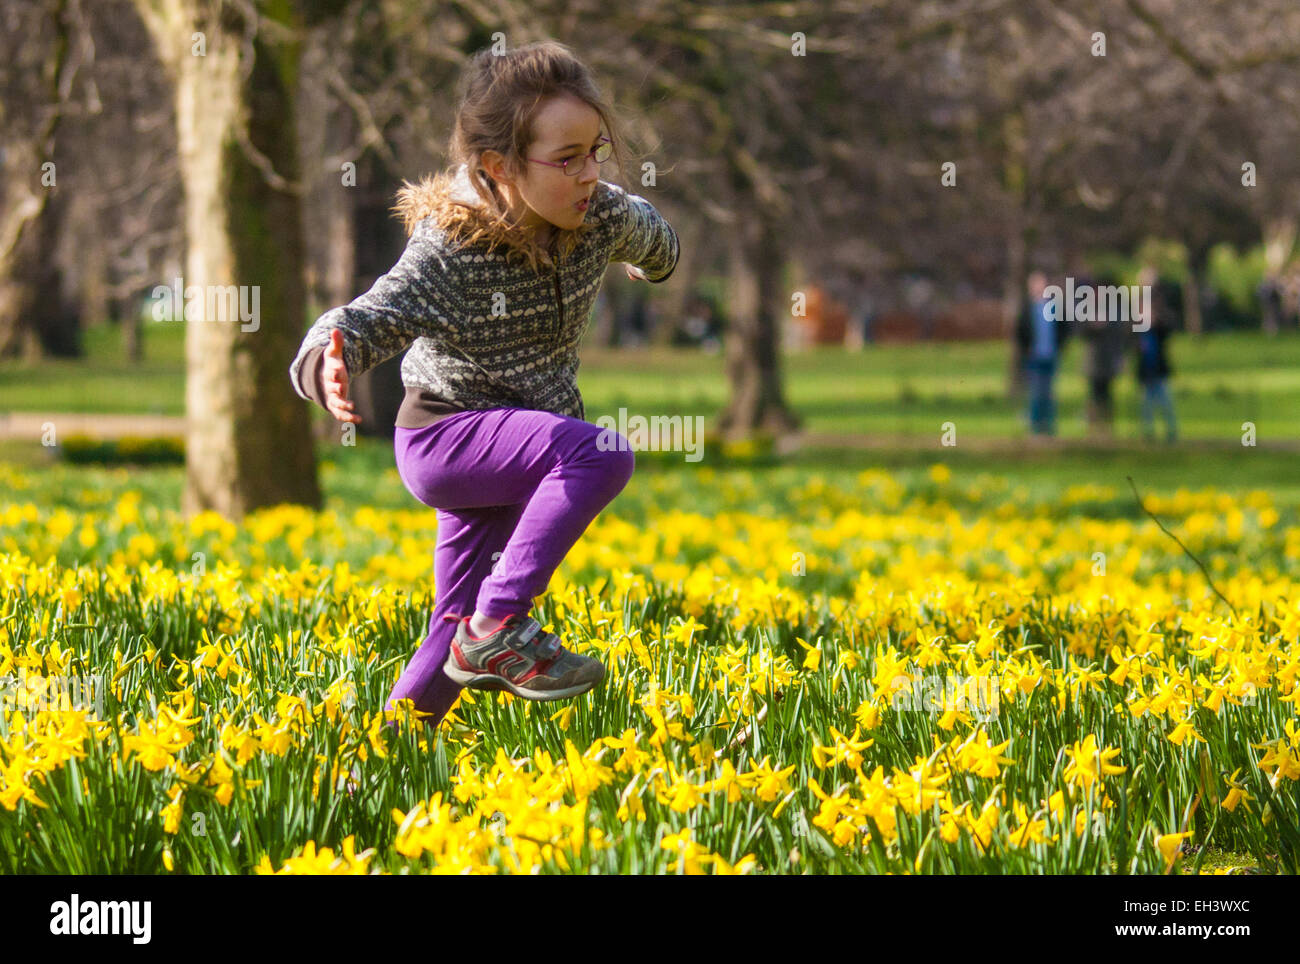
(1153, 368)
(1041, 341)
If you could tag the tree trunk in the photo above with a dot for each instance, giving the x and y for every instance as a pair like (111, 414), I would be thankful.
(21, 270)
(1013, 303)
(1192, 318)
(54, 314)
(752, 341)
(93, 283)
(1014, 174)
(377, 395)
(247, 433)
(378, 392)
(23, 191)
(327, 130)
(339, 255)
(683, 282)
(133, 336)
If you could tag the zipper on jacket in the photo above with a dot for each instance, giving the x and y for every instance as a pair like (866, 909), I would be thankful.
(559, 304)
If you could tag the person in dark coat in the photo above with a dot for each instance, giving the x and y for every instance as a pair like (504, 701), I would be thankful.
(1153, 368)
(1103, 361)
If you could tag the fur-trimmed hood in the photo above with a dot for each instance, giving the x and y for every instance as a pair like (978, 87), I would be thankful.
(449, 198)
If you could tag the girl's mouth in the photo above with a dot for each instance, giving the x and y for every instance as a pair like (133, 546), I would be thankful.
(582, 205)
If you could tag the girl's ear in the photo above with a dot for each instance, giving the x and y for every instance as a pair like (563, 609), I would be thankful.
(494, 164)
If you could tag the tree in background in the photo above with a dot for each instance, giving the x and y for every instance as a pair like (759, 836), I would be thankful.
(43, 45)
(781, 138)
(233, 72)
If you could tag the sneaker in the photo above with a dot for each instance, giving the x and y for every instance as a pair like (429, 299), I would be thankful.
(520, 658)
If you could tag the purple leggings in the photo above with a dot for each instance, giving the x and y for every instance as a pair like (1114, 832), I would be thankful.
(516, 483)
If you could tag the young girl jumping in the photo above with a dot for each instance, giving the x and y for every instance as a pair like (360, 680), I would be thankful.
(505, 255)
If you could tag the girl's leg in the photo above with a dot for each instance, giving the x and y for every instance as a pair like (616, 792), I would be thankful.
(562, 470)
(553, 472)
(467, 541)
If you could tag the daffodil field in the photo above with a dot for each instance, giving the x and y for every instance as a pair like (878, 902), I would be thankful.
(865, 674)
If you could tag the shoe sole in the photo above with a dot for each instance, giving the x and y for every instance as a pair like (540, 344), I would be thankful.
(490, 681)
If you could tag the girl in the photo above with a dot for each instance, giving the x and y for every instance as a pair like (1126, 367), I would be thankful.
(493, 292)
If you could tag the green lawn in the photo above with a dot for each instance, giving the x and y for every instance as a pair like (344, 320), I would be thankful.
(1220, 382)
(104, 380)
(912, 390)
(365, 475)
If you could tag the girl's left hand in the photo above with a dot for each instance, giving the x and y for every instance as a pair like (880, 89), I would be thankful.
(635, 273)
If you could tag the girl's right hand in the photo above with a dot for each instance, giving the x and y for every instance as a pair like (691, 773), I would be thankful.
(334, 376)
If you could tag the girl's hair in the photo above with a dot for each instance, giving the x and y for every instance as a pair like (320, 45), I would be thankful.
(500, 96)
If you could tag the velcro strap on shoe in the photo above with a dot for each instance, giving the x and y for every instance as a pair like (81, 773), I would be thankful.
(549, 647)
(529, 630)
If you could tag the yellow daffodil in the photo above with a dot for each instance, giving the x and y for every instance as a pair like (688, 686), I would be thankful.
(1088, 764)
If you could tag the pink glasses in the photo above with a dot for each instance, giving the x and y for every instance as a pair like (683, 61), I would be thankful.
(601, 154)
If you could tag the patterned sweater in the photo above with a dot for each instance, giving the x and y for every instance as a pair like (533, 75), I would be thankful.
(486, 331)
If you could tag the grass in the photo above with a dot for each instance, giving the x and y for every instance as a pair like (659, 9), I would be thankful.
(104, 380)
(1220, 382)
(911, 390)
(365, 475)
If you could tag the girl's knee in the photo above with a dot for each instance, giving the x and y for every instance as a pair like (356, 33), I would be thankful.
(612, 452)
(622, 462)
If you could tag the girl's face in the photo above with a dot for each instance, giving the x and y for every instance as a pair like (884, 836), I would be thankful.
(566, 128)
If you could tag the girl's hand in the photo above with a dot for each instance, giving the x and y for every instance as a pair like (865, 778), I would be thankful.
(635, 273)
(334, 376)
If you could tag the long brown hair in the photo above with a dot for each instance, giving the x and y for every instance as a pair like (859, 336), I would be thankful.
(500, 96)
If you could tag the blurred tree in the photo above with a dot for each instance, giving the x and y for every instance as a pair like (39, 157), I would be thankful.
(42, 48)
(774, 132)
(123, 235)
(234, 71)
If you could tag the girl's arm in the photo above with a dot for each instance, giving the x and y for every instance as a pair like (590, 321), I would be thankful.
(414, 299)
(643, 237)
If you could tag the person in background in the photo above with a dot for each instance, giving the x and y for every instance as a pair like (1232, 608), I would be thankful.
(699, 326)
(865, 308)
(1269, 294)
(1103, 362)
(1153, 368)
(1042, 341)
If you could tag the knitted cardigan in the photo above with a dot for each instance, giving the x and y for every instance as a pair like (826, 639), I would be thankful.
(484, 329)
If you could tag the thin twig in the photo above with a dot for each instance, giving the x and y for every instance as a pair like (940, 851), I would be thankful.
(1204, 571)
(743, 735)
